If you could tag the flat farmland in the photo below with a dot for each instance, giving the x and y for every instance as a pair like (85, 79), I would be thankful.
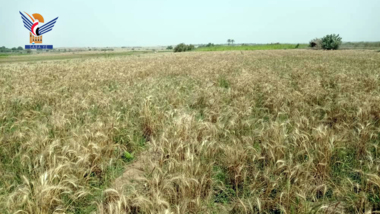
(272, 131)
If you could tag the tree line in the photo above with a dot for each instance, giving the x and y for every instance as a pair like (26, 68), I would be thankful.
(14, 49)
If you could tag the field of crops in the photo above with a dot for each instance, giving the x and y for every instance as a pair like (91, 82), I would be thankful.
(252, 47)
(14, 58)
(280, 131)
(361, 45)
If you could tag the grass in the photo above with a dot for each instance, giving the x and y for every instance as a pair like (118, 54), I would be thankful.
(198, 132)
(128, 157)
(360, 45)
(251, 47)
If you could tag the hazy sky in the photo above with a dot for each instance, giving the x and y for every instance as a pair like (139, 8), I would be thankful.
(165, 22)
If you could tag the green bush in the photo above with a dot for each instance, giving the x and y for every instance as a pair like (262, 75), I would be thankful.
(169, 48)
(190, 47)
(183, 47)
(331, 42)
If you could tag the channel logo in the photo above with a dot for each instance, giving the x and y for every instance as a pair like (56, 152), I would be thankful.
(36, 31)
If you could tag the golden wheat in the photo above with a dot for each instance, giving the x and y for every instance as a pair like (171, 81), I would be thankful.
(242, 132)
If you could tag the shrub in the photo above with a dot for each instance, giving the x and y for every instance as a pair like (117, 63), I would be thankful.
(331, 42)
(180, 48)
(315, 43)
(183, 47)
(297, 46)
(190, 47)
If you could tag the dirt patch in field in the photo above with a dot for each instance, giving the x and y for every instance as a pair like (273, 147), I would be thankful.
(134, 172)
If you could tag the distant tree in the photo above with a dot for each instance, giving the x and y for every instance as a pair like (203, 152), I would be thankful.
(331, 42)
(180, 47)
(29, 51)
(190, 47)
(14, 49)
(228, 41)
(183, 47)
(169, 48)
(232, 41)
(210, 45)
(20, 48)
(4, 49)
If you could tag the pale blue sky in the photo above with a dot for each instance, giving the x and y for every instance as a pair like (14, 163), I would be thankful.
(164, 22)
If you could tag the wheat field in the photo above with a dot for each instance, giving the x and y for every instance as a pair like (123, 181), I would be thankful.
(282, 131)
